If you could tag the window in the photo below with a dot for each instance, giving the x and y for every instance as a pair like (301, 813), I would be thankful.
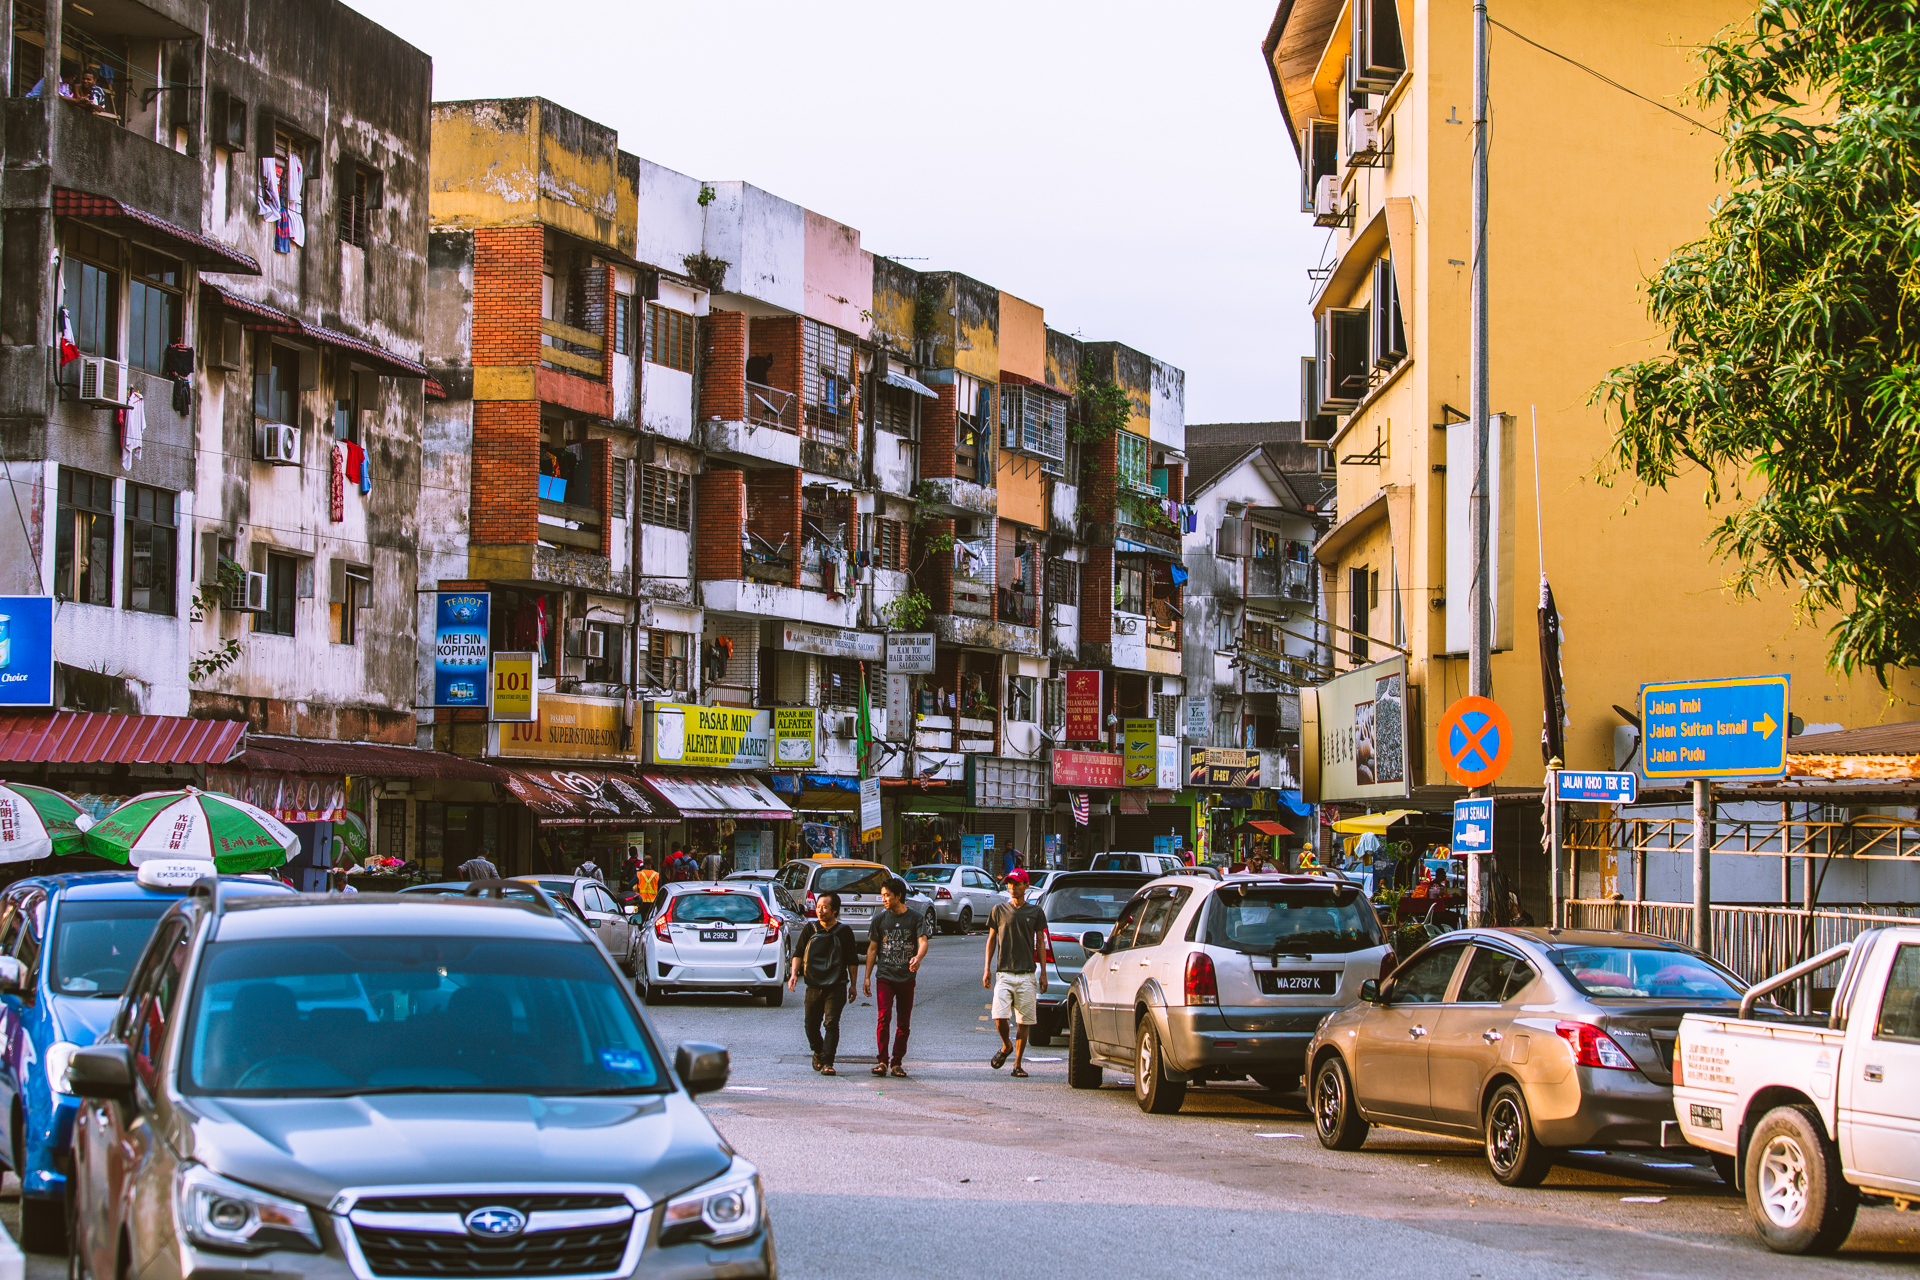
(1021, 696)
(1133, 460)
(152, 547)
(91, 294)
(276, 386)
(283, 574)
(896, 409)
(607, 668)
(1389, 331)
(670, 338)
(346, 403)
(1357, 611)
(1168, 714)
(1900, 1006)
(1341, 357)
(972, 431)
(359, 196)
(1379, 57)
(623, 323)
(1063, 582)
(1319, 158)
(1424, 979)
(83, 538)
(149, 1013)
(1129, 589)
(392, 817)
(889, 544)
(840, 682)
(665, 498)
(1035, 422)
(827, 374)
(1159, 916)
(667, 653)
(1493, 977)
(352, 592)
(153, 310)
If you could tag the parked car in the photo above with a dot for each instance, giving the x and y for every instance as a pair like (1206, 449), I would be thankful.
(857, 883)
(1037, 882)
(1159, 864)
(340, 1087)
(778, 901)
(1526, 1040)
(618, 933)
(709, 935)
(1202, 979)
(67, 944)
(962, 896)
(1076, 903)
(1814, 1114)
(458, 888)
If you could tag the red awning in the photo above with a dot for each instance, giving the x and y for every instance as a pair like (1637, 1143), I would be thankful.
(202, 251)
(93, 737)
(587, 797)
(1265, 828)
(273, 320)
(359, 759)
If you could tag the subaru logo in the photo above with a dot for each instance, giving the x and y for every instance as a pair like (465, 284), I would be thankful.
(495, 1222)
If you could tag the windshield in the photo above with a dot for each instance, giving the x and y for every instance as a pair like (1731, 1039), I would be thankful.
(558, 888)
(1646, 973)
(1088, 903)
(1263, 920)
(927, 875)
(737, 908)
(869, 880)
(96, 943)
(343, 1016)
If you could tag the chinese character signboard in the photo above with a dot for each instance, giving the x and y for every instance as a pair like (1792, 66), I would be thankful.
(1086, 768)
(793, 737)
(26, 651)
(514, 686)
(1357, 735)
(460, 648)
(1083, 707)
(830, 642)
(910, 653)
(1141, 752)
(712, 737)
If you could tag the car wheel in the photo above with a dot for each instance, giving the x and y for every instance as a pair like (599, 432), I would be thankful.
(773, 995)
(1277, 1081)
(1156, 1094)
(1725, 1168)
(1082, 1071)
(1795, 1191)
(43, 1224)
(76, 1250)
(966, 920)
(1337, 1122)
(1514, 1152)
(933, 925)
(652, 994)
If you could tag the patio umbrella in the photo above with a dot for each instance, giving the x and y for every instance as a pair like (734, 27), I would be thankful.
(36, 822)
(191, 823)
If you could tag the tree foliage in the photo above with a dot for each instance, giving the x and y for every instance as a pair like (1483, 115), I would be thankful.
(1792, 374)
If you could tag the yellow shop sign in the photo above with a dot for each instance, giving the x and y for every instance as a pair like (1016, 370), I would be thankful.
(564, 728)
(709, 737)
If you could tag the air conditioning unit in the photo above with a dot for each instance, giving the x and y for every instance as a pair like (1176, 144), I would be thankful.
(277, 443)
(1327, 208)
(1363, 134)
(848, 729)
(249, 596)
(594, 644)
(103, 381)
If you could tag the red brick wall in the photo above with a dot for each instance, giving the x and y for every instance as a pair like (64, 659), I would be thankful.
(1176, 482)
(773, 510)
(506, 464)
(600, 459)
(507, 265)
(1100, 471)
(721, 494)
(1096, 596)
(723, 373)
(779, 337)
(937, 424)
(936, 576)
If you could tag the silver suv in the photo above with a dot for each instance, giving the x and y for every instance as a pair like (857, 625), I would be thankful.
(376, 1086)
(1218, 980)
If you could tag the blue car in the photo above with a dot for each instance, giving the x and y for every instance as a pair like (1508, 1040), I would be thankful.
(67, 945)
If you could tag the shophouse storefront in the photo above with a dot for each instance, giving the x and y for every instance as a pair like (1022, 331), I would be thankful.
(574, 774)
(711, 765)
(1085, 784)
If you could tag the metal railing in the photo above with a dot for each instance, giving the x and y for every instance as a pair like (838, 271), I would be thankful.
(771, 407)
(1755, 942)
(1866, 835)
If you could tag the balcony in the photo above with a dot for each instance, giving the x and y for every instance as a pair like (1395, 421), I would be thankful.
(1021, 608)
(981, 632)
(579, 351)
(568, 524)
(1122, 535)
(98, 154)
(1278, 585)
(1142, 642)
(767, 599)
(770, 436)
(953, 497)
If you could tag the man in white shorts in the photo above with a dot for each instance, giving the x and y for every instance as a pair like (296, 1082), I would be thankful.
(1016, 932)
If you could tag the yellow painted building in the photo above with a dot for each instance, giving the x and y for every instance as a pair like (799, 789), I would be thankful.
(1591, 189)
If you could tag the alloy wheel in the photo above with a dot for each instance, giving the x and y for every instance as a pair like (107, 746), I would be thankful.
(1783, 1181)
(1144, 1066)
(1329, 1101)
(1503, 1133)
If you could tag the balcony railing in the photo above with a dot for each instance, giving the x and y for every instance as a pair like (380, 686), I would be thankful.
(576, 350)
(569, 524)
(1163, 626)
(771, 407)
(764, 561)
(1021, 608)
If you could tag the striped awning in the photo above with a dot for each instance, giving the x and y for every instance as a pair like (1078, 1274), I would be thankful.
(93, 737)
(260, 316)
(202, 251)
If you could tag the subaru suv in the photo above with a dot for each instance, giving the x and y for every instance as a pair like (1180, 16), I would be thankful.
(374, 1087)
(1201, 980)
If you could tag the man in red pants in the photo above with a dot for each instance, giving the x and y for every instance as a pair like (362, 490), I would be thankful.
(896, 944)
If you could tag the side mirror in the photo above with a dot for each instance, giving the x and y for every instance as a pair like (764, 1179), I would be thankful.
(13, 976)
(702, 1068)
(1093, 940)
(102, 1071)
(1370, 991)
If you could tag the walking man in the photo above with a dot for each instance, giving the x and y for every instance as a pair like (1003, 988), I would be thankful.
(1014, 934)
(828, 954)
(479, 868)
(646, 883)
(896, 944)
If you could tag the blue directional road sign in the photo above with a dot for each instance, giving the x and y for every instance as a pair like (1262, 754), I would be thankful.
(1606, 788)
(1715, 728)
(1472, 826)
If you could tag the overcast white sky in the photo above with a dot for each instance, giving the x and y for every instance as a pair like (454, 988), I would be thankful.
(1121, 163)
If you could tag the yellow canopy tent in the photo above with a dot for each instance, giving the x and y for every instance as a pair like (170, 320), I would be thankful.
(1373, 823)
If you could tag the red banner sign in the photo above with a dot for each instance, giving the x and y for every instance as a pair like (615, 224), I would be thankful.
(1083, 708)
(1087, 769)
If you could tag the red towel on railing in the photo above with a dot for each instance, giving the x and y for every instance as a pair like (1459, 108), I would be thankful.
(356, 459)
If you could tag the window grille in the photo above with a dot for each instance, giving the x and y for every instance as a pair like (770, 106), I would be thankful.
(670, 338)
(828, 376)
(665, 498)
(1063, 582)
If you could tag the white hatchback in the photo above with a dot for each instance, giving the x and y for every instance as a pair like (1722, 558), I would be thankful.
(713, 936)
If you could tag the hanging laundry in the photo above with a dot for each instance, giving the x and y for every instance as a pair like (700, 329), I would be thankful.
(69, 349)
(296, 199)
(133, 429)
(366, 479)
(337, 485)
(356, 461)
(269, 202)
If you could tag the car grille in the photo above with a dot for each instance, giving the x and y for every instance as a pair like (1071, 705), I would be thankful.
(571, 1251)
(469, 1201)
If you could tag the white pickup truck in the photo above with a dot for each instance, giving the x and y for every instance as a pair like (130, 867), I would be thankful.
(1816, 1113)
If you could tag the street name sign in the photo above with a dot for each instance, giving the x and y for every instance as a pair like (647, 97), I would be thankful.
(1715, 728)
(1473, 826)
(1604, 788)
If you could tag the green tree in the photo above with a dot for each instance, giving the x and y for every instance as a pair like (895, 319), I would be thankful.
(1792, 374)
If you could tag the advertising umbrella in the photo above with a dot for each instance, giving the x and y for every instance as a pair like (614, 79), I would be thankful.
(230, 833)
(36, 822)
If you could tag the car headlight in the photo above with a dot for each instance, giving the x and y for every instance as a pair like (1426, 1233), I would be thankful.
(59, 1055)
(722, 1211)
(218, 1213)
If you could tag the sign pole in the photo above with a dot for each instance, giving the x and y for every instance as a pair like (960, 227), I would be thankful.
(1480, 598)
(1702, 869)
(1556, 851)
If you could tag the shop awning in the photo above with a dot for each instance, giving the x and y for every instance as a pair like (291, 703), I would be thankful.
(96, 737)
(914, 385)
(360, 760)
(719, 795)
(202, 251)
(1374, 824)
(586, 797)
(260, 316)
(1262, 827)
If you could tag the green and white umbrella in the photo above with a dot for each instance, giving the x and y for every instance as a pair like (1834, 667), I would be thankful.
(230, 833)
(36, 822)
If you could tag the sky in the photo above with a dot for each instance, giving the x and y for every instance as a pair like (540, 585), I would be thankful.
(1122, 164)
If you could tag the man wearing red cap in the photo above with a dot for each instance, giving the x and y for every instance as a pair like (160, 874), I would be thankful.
(1015, 934)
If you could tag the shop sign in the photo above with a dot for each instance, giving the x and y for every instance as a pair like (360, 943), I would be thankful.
(870, 830)
(1356, 733)
(515, 686)
(995, 782)
(899, 708)
(26, 651)
(1086, 768)
(1167, 767)
(794, 731)
(1142, 751)
(710, 737)
(910, 653)
(1222, 768)
(1083, 707)
(288, 798)
(975, 850)
(831, 642)
(565, 728)
(460, 640)
(1197, 719)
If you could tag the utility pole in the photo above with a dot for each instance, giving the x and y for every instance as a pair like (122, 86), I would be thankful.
(1480, 601)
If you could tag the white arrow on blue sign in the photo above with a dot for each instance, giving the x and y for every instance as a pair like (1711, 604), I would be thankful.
(1472, 826)
(1604, 788)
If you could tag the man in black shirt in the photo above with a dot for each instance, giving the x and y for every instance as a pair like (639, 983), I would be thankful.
(828, 954)
(1016, 934)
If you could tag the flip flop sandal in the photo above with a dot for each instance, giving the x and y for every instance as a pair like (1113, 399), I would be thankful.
(1000, 1059)
(901, 1072)
(880, 1070)
(1019, 1073)
(828, 1070)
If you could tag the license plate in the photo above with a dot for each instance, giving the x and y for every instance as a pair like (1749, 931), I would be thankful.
(857, 911)
(717, 935)
(1284, 982)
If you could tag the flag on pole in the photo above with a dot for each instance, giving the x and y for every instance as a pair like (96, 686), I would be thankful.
(1081, 809)
(69, 349)
(866, 723)
(1553, 690)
